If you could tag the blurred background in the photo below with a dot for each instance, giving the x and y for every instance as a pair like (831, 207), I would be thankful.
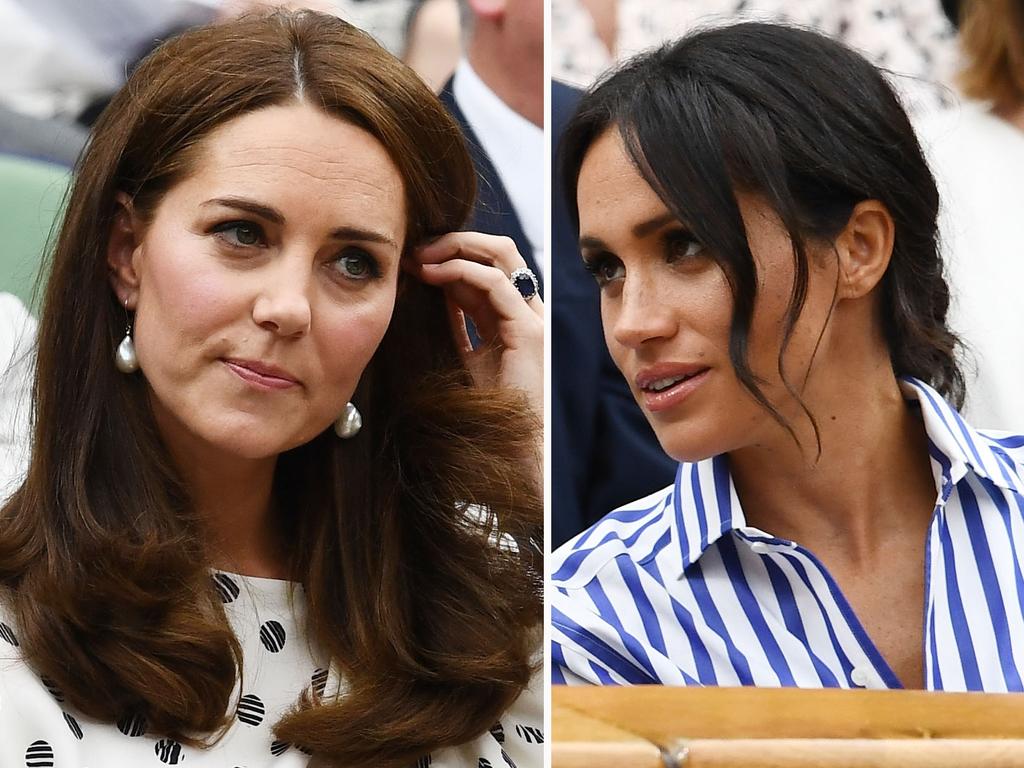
(915, 38)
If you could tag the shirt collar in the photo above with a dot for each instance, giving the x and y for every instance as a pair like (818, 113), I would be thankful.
(704, 504)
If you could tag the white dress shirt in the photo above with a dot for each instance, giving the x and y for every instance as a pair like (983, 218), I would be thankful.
(515, 146)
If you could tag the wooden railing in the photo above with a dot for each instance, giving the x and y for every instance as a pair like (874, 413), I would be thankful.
(655, 727)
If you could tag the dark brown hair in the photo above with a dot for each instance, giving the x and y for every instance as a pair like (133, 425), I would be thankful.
(992, 37)
(429, 621)
(812, 127)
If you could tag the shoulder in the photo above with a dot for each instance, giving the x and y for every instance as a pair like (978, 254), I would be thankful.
(636, 532)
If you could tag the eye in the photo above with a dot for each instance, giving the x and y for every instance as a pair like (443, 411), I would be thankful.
(681, 244)
(241, 234)
(357, 264)
(605, 268)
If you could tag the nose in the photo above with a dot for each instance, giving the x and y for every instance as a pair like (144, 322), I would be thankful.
(282, 305)
(638, 315)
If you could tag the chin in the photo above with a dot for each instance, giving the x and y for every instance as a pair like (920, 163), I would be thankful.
(686, 443)
(259, 439)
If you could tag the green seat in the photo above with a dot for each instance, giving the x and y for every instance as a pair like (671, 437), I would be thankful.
(31, 195)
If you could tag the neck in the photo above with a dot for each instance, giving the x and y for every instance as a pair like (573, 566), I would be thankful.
(233, 498)
(517, 82)
(872, 480)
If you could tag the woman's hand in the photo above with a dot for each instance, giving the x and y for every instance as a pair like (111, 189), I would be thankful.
(473, 271)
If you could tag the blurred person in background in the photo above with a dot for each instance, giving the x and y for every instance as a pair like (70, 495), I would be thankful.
(603, 452)
(497, 97)
(911, 38)
(433, 40)
(976, 149)
(275, 506)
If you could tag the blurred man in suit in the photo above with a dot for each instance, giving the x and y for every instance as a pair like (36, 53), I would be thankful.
(603, 451)
(497, 95)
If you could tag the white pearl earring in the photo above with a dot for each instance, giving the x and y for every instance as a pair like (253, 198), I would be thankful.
(124, 357)
(349, 423)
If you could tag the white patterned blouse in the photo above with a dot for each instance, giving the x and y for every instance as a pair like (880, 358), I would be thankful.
(39, 730)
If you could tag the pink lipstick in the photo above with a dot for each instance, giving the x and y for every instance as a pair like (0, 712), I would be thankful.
(668, 384)
(261, 375)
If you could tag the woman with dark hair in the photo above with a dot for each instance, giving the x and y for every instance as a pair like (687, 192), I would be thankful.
(758, 215)
(276, 505)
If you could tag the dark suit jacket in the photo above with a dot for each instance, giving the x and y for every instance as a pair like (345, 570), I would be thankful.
(603, 452)
(493, 213)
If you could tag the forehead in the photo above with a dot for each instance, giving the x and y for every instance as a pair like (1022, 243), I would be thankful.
(611, 194)
(296, 155)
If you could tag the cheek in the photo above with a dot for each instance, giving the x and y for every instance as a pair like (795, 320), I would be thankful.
(181, 300)
(349, 336)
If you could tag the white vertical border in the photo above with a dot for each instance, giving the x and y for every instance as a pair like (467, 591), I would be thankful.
(548, 51)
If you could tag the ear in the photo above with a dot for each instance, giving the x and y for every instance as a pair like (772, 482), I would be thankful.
(864, 248)
(123, 251)
(492, 10)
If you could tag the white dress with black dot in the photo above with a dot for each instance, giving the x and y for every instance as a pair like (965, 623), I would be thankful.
(39, 730)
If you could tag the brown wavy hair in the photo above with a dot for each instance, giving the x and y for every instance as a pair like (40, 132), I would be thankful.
(992, 37)
(429, 621)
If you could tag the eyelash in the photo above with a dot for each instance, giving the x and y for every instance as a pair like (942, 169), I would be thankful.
(678, 244)
(373, 269)
(596, 266)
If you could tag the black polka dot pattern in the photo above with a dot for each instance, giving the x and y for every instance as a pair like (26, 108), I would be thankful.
(272, 635)
(39, 755)
(251, 710)
(52, 688)
(7, 635)
(76, 729)
(227, 588)
(530, 734)
(319, 681)
(279, 747)
(132, 725)
(169, 751)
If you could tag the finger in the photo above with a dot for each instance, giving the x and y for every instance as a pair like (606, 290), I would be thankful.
(459, 331)
(484, 293)
(492, 250)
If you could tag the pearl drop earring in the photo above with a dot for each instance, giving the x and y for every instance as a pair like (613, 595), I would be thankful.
(124, 357)
(349, 423)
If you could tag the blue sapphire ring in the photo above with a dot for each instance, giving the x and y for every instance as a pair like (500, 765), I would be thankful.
(525, 282)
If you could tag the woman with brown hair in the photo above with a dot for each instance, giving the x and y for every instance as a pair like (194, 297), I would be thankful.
(277, 504)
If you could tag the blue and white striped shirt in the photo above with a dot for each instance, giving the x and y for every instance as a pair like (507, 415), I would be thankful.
(677, 589)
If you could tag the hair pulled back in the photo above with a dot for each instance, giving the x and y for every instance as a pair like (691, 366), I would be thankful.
(813, 128)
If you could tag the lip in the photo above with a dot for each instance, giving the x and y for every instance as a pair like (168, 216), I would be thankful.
(260, 374)
(674, 395)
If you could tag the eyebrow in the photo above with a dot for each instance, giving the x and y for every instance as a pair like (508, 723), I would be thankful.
(275, 216)
(640, 231)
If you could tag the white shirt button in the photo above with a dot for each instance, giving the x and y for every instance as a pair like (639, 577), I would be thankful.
(760, 547)
(860, 676)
